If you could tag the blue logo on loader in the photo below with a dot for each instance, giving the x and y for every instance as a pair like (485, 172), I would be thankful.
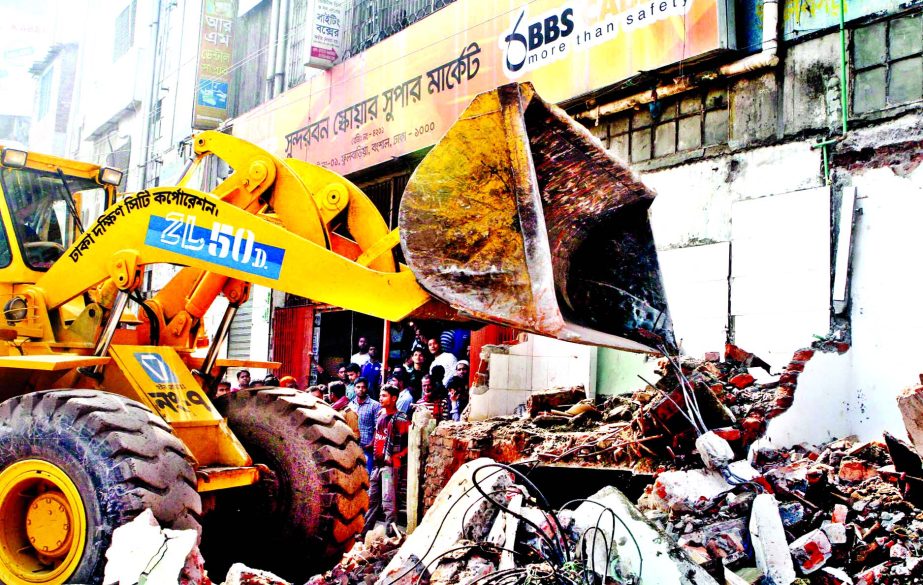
(156, 368)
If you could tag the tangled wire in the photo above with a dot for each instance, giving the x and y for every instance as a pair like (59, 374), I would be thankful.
(551, 561)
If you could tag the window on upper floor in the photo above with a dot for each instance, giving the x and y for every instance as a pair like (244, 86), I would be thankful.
(157, 119)
(695, 120)
(124, 31)
(44, 92)
(887, 60)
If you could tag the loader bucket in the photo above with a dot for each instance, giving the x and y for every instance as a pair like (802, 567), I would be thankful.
(519, 216)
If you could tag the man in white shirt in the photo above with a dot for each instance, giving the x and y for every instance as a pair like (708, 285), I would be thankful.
(361, 357)
(441, 358)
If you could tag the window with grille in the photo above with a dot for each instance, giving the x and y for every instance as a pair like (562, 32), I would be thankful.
(887, 60)
(693, 121)
(156, 119)
(297, 33)
(124, 31)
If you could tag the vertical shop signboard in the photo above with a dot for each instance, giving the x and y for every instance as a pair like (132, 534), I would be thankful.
(214, 70)
(327, 28)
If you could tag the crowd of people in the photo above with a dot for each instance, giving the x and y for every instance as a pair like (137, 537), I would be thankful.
(378, 401)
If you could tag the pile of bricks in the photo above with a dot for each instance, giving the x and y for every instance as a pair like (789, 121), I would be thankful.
(644, 432)
(843, 510)
(727, 394)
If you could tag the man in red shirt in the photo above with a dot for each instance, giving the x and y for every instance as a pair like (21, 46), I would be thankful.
(389, 446)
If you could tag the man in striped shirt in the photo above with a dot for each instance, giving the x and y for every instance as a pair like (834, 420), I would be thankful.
(389, 446)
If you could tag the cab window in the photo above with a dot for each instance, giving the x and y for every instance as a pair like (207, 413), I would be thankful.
(44, 210)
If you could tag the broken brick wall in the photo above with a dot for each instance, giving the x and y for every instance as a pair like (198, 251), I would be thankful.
(512, 440)
(452, 445)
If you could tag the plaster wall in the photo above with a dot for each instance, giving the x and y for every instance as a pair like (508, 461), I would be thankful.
(538, 363)
(887, 321)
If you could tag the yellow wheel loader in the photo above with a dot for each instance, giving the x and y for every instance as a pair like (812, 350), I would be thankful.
(517, 216)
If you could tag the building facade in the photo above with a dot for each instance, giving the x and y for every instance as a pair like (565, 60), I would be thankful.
(784, 149)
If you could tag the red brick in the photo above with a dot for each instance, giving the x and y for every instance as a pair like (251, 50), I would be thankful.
(855, 470)
(753, 426)
(728, 433)
(734, 353)
(839, 514)
(783, 401)
(794, 366)
(788, 377)
(803, 355)
(741, 380)
(786, 390)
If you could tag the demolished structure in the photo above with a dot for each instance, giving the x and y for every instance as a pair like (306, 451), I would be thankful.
(721, 504)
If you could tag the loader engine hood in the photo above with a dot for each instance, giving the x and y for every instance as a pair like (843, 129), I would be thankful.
(520, 216)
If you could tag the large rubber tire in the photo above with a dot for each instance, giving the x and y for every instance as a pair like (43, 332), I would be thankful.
(304, 518)
(121, 457)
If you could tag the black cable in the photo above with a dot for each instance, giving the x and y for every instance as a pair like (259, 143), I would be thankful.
(545, 507)
(622, 522)
(504, 509)
(438, 529)
(151, 316)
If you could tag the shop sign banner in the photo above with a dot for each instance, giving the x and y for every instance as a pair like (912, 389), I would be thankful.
(404, 93)
(326, 34)
(213, 76)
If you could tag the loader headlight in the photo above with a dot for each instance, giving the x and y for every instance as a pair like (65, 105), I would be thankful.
(15, 310)
(13, 158)
(109, 176)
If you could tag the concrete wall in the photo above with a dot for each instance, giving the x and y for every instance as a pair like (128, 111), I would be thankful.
(747, 238)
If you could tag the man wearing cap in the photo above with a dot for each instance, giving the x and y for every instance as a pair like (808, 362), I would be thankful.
(463, 370)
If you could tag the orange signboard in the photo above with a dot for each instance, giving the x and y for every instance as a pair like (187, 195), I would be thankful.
(403, 93)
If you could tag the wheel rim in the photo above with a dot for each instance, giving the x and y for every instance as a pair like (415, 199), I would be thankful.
(42, 524)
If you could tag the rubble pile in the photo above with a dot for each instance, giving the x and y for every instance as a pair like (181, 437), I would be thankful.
(651, 430)
(492, 525)
(693, 395)
(364, 562)
(833, 515)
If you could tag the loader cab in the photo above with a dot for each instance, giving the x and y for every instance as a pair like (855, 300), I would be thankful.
(46, 203)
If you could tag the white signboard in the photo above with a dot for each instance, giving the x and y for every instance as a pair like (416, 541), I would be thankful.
(325, 37)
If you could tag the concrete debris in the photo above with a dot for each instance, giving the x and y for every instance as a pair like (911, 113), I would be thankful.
(459, 513)
(910, 403)
(365, 561)
(811, 551)
(240, 574)
(552, 400)
(141, 547)
(647, 549)
(716, 453)
(770, 548)
(721, 503)
(806, 517)
(487, 525)
(696, 489)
